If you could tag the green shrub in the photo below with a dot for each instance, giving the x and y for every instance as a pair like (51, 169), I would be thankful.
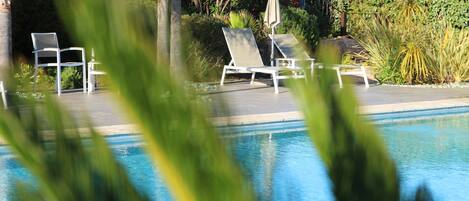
(255, 7)
(206, 51)
(241, 19)
(29, 87)
(300, 23)
(71, 78)
(456, 12)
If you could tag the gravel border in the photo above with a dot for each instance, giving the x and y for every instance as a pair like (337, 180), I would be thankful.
(444, 86)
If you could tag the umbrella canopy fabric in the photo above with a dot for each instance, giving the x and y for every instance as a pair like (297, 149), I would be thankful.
(272, 13)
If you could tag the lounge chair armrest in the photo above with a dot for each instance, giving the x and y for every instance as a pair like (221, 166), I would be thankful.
(348, 66)
(293, 59)
(73, 49)
(46, 50)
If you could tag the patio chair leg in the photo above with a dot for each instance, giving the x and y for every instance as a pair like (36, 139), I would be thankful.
(84, 77)
(275, 80)
(223, 76)
(253, 76)
(89, 81)
(365, 78)
(59, 78)
(35, 78)
(339, 77)
(4, 97)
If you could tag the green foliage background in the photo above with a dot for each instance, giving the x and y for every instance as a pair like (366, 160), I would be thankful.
(302, 24)
(206, 51)
(409, 41)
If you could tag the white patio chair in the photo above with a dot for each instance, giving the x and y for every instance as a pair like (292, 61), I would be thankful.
(93, 72)
(245, 57)
(46, 45)
(4, 95)
(293, 52)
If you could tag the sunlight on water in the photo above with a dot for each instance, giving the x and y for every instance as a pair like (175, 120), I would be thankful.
(287, 167)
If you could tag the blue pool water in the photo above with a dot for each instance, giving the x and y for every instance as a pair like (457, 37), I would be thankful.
(430, 147)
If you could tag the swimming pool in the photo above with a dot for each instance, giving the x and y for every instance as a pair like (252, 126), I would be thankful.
(430, 147)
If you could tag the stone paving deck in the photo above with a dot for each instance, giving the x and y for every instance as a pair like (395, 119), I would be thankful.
(244, 100)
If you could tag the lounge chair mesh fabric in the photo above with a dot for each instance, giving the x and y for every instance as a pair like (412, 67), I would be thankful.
(243, 47)
(290, 47)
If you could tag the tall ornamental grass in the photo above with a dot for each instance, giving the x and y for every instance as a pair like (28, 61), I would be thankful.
(452, 55)
(405, 48)
(382, 42)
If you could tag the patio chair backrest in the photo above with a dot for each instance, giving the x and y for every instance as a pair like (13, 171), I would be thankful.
(243, 47)
(290, 47)
(45, 40)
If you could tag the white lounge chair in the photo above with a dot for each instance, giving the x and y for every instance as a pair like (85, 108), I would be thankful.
(93, 72)
(245, 57)
(4, 95)
(293, 52)
(355, 70)
(46, 45)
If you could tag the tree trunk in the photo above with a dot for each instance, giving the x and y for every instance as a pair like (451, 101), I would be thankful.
(162, 41)
(5, 38)
(175, 44)
(343, 23)
(343, 17)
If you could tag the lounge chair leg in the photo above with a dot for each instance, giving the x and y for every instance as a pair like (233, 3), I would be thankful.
(339, 77)
(312, 69)
(365, 78)
(275, 80)
(253, 76)
(223, 76)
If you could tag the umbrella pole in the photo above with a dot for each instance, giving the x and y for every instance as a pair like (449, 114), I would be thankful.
(272, 48)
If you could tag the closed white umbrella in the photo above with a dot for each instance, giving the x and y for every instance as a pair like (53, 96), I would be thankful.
(272, 19)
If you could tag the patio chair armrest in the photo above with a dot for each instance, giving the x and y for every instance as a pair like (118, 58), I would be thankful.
(73, 49)
(46, 50)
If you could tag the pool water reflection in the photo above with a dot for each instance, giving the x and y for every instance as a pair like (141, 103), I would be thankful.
(286, 167)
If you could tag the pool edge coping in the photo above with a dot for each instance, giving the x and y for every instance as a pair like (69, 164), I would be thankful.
(237, 120)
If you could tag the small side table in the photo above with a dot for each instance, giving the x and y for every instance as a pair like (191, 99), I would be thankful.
(92, 72)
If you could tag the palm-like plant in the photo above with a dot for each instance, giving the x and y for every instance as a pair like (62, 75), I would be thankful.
(47, 142)
(414, 63)
(408, 11)
(176, 129)
(241, 19)
(355, 156)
